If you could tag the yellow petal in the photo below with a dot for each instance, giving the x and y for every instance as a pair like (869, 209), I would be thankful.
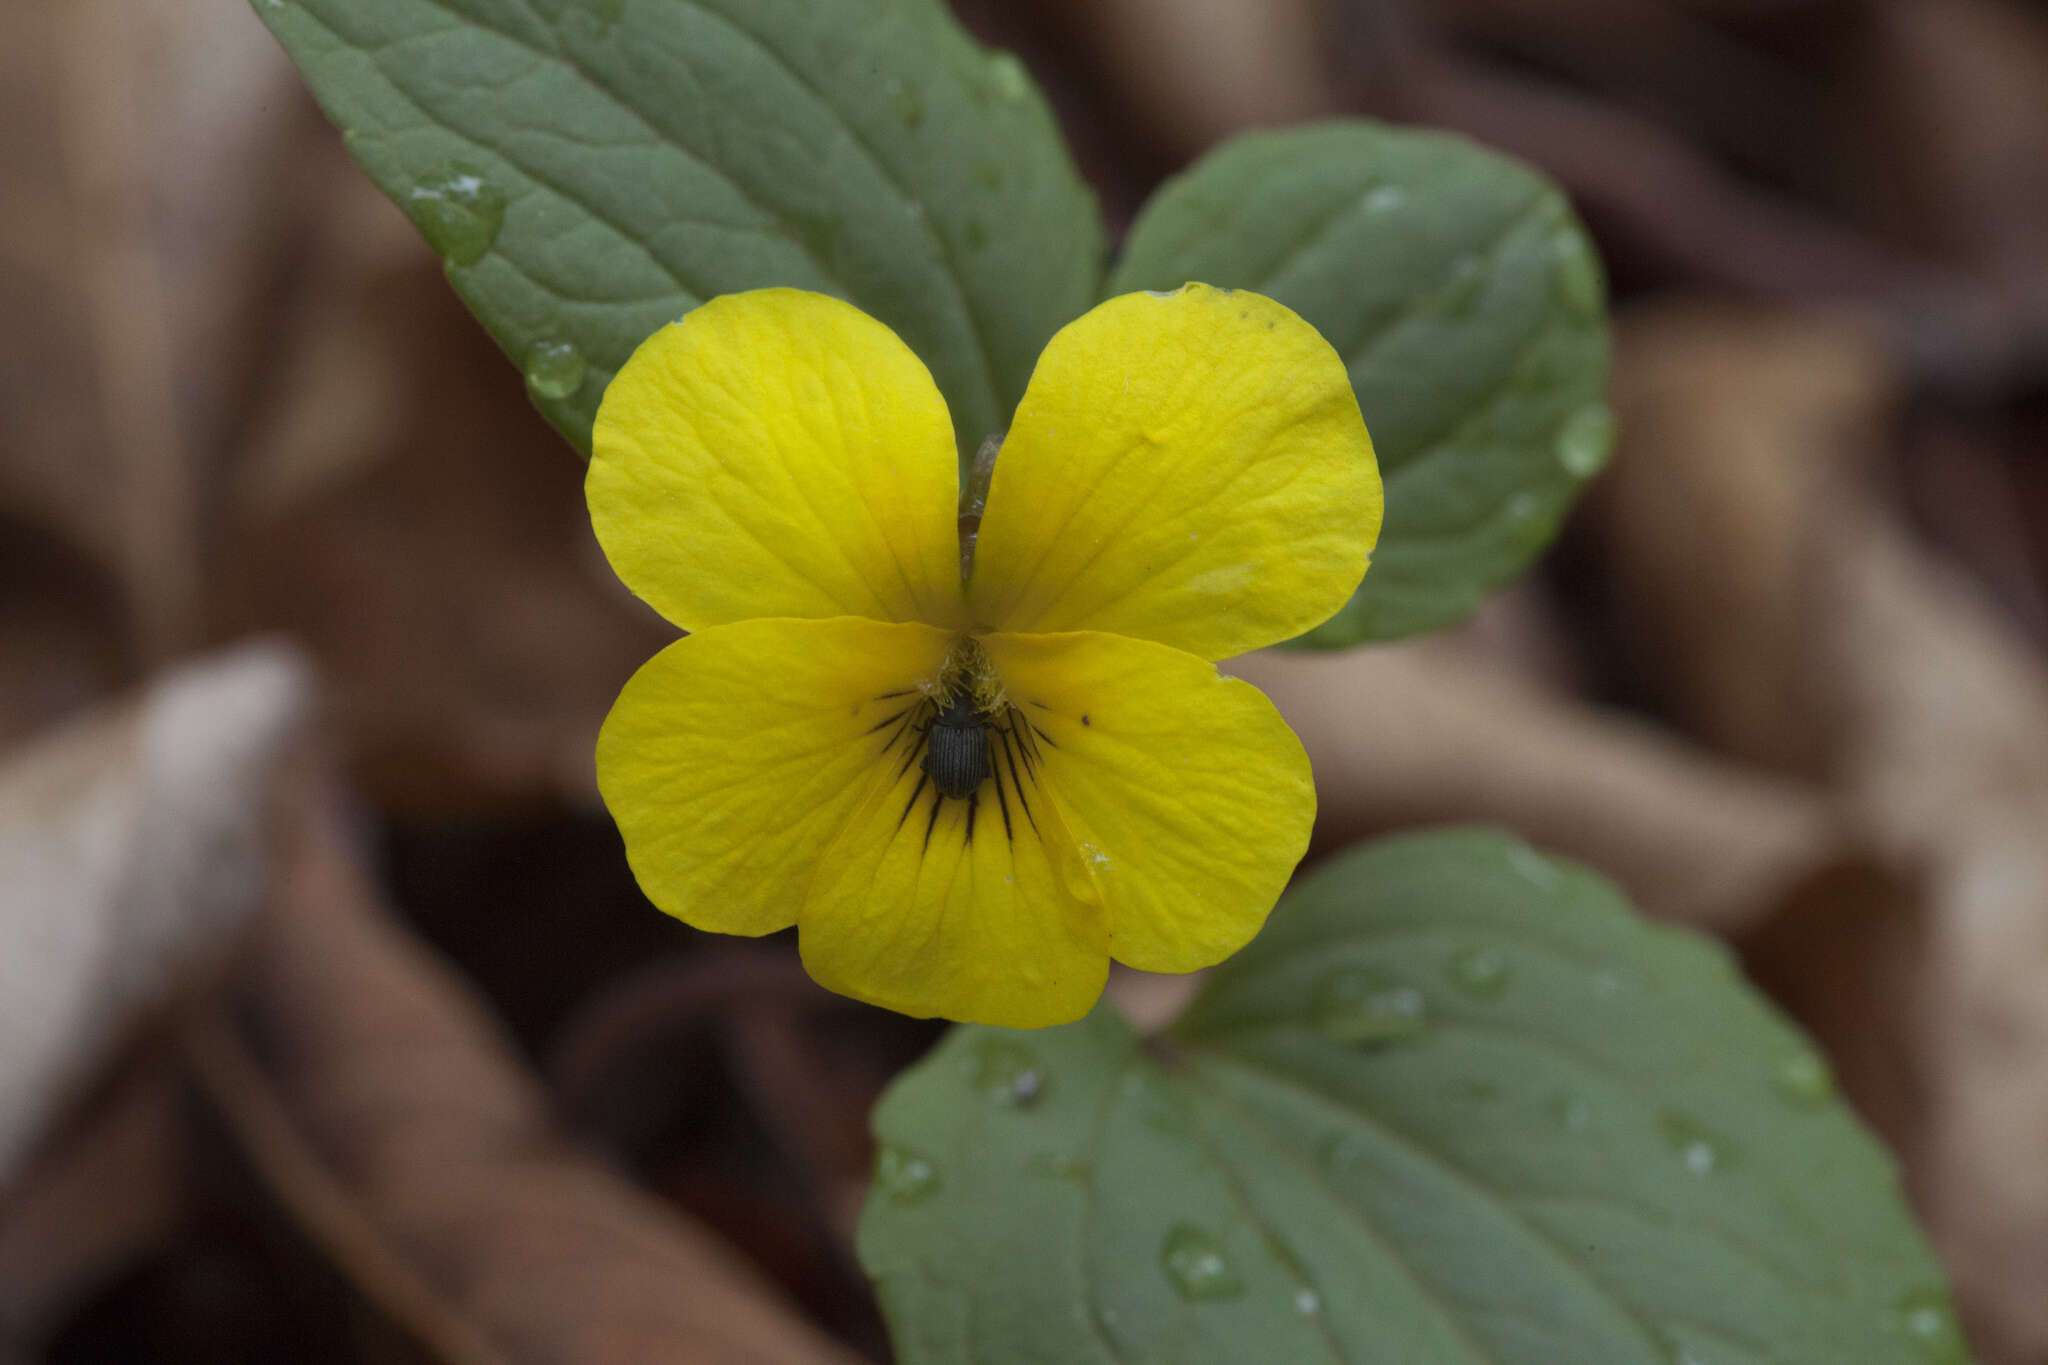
(778, 453)
(732, 757)
(1188, 795)
(973, 909)
(1189, 468)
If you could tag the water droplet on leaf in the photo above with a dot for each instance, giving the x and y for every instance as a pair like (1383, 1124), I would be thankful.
(1573, 1112)
(1008, 76)
(1307, 1302)
(1532, 866)
(1702, 1152)
(555, 369)
(904, 1177)
(1586, 440)
(1195, 1263)
(1367, 1005)
(1385, 199)
(1479, 971)
(909, 112)
(1930, 1324)
(1576, 274)
(1342, 1152)
(1804, 1079)
(458, 212)
(1008, 1073)
(1468, 277)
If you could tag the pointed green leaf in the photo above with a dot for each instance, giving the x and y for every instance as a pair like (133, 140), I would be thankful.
(1457, 1105)
(1468, 304)
(592, 169)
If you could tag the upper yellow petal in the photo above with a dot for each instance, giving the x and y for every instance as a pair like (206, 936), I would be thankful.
(733, 756)
(1189, 468)
(970, 908)
(778, 453)
(1188, 796)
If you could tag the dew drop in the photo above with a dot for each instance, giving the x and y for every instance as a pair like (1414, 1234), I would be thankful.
(458, 212)
(555, 369)
(1366, 1005)
(1586, 440)
(1385, 199)
(1532, 866)
(1008, 1073)
(904, 1176)
(1307, 1302)
(1479, 971)
(1930, 1324)
(1576, 274)
(1195, 1263)
(1008, 76)
(1702, 1152)
(909, 112)
(1574, 1113)
(1468, 276)
(1804, 1079)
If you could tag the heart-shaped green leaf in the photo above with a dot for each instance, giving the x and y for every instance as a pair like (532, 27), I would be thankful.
(1468, 304)
(592, 169)
(1457, 1105)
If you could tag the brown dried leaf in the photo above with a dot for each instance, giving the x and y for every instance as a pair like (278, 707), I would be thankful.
(1791, 617)
(381, 1104)
(1945, 756)
(131, 849)
(143, 167)
(1196, 71)
(1426, 732)
(105, 1191)
(1739, 425)
(403, 510)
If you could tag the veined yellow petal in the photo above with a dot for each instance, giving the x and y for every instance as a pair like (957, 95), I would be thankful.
(1189, 468)
(778, 453)
(733, 756)
(1189, 797)
(968, 908)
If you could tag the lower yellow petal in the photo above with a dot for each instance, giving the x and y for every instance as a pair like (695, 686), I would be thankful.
(733, 756)
(1188, 796)
(966, 908)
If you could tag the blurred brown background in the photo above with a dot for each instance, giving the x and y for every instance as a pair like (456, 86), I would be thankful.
(332, 1027)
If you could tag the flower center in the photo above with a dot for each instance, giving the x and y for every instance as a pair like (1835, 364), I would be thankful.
(969, 743)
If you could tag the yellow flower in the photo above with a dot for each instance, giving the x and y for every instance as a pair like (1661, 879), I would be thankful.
(969, 796)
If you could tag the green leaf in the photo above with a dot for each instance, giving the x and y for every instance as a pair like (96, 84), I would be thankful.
(1456, 1104)
(1467, 302)
(592, 169)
